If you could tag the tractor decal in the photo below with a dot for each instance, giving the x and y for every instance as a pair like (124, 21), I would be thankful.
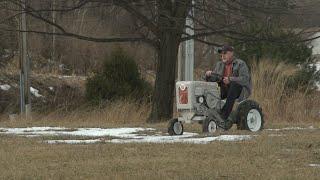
(183, 95)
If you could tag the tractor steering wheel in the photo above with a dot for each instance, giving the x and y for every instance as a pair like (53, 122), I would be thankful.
(214, 77)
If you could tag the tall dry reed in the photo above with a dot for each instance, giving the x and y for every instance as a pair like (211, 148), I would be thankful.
(269, 80)
(124, 111)
(280, 105)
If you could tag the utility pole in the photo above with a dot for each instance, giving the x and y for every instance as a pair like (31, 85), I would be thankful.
(189, 47)
(25, 101)
(53, 51)
(180, 62)
(186, 51)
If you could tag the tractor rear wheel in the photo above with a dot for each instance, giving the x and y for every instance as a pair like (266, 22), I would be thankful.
(249, 116)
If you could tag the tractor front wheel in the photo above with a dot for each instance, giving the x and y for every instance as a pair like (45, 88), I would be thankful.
(209, 126)
(175, 127)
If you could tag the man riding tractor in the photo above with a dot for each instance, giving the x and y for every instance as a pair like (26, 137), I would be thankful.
(203, 102)
(234, 84)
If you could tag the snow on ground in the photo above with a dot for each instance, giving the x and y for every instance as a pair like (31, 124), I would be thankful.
(179, 139)
(314, 165)
(159, 139)
(117, 135)
(86, 141)
(318, 66)
(275, 135)
(291, 128)
(318, 69)
(35, 92)
(73, 77)
(125, 135)
(61, 131)
(316, 44)
(5, 87)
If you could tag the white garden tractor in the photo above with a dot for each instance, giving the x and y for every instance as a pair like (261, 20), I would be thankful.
(199, 101)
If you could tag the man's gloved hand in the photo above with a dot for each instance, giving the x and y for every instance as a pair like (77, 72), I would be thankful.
(208, 73)
(226, 80)
(213, 77)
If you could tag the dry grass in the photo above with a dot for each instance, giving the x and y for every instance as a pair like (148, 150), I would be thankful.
(278, 105)
(265, 157)
(116, 113)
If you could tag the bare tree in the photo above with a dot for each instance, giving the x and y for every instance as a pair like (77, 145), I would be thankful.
(161, 24)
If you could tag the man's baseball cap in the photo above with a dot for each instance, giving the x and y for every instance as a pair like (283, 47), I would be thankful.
(225, 48)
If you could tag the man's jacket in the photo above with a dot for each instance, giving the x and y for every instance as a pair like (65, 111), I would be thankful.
(240, 75)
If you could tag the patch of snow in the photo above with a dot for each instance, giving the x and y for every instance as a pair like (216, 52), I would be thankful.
(317, 64)
(275, 135)
(181, 139)
(117, 132)
(87, 141)
(29, 130)
(74, 77)
(291, 128)
(159, 139)
(35, 92)
(119, 135)
(33, 135)
(51, 88)
(61, 131)
(5, 87)
(316, 44)
(314, 165)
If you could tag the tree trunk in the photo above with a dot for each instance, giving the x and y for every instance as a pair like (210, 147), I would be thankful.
(162, 101)
(171, 22)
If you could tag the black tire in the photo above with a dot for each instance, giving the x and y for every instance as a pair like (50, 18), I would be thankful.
(205, 125)
(244, 108)
(171, 127)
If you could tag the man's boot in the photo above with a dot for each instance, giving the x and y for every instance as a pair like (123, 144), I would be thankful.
(228, 124)
(227, 121)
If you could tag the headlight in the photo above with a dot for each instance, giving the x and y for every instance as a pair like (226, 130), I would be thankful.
(200, 99)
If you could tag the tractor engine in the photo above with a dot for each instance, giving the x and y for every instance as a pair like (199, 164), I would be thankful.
(194, 98)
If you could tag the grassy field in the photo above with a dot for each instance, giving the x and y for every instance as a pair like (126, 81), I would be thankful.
(283, 154)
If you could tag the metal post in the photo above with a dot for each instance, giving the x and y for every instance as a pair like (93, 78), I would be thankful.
(189, 48)
(180, 62)
(21, 83)
(24, 67)
(53, 51)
